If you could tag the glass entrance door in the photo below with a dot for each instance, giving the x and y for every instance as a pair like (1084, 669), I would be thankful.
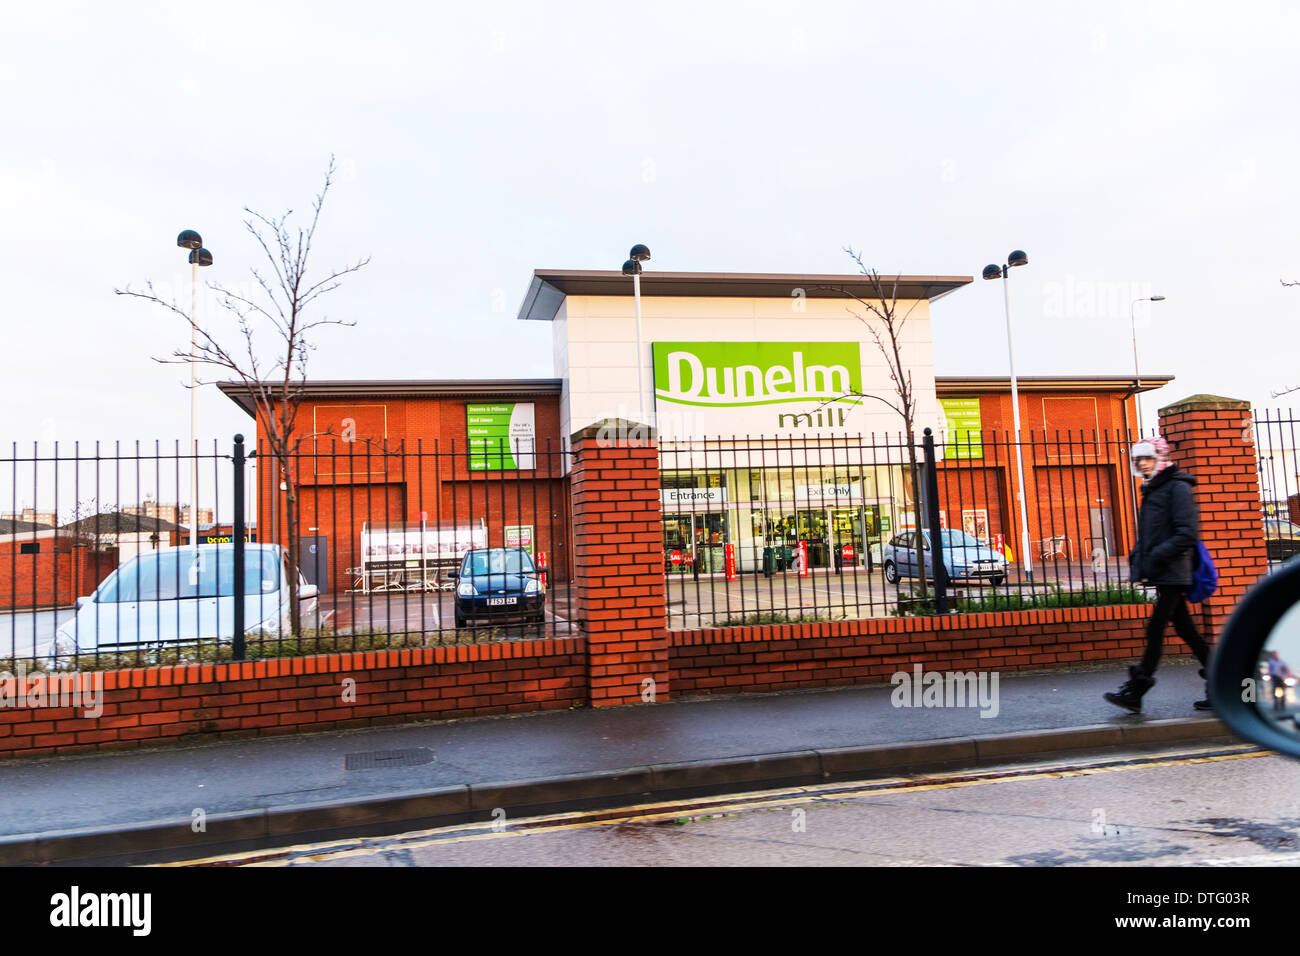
(710, 536)
(700, 538)
(846, 529)
(814, 528)
(677, 540)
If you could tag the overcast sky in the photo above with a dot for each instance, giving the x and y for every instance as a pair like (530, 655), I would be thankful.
(1130, 149)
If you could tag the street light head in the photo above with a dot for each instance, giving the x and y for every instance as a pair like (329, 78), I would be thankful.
(189, 239)
(992, 272)
(631, 268)
(1157, 298)
(639, 252)
(201, 256)
(1018, 258)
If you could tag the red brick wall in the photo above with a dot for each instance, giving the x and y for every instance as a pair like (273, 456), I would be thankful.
(1210, 437)
(618, 565)
(51, 579)
(145, 707)
(781, 657)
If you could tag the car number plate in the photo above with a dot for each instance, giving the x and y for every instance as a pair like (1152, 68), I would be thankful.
(496, 602)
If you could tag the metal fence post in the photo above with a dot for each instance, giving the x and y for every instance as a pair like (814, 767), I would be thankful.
(931, 481)
(237, 537)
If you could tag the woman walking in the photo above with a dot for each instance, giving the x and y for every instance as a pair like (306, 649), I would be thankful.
(1168, 529)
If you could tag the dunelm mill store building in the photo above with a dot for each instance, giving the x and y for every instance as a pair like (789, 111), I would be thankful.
(776, 415)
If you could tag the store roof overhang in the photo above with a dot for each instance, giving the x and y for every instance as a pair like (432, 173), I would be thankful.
(547, 291)
(1049, 383)
(242, 395)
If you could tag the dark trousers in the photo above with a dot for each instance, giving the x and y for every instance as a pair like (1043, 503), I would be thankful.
(1171, 605)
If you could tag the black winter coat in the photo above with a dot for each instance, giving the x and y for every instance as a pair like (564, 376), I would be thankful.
(1169, 525)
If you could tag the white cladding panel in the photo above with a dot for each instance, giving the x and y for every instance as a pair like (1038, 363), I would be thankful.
(595, 353)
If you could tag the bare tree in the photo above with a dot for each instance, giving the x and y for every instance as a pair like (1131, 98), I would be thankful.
(880, 314)
(276, 377)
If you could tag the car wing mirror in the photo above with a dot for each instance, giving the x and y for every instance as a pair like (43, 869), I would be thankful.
(307, 591)
(453, 574)
(83, 601)
(1252, 675)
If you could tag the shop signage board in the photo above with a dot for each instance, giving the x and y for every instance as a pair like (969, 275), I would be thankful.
(847, 492)
(679, 497)
(803, 558)
(222, 538)
(962, 428)
(730, 561)
(756, 388)
(412, 543)
(502, 436)
(519, 536)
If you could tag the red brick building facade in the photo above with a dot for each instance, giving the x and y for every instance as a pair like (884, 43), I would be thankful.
(398, 453)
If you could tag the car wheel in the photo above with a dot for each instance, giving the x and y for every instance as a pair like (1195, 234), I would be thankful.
(891, 572)
(996, 579)
(460, 621)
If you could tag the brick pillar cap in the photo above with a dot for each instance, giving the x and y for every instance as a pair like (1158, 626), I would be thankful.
(618, 430)
(1206, 403)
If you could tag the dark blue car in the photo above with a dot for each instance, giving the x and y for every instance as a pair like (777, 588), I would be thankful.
(499, 584)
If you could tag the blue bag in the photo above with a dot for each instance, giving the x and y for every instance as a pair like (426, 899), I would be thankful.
(1205, 576)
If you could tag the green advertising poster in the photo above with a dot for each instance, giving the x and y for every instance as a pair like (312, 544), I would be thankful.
(501, 436)
(519, 536)
(963, 428)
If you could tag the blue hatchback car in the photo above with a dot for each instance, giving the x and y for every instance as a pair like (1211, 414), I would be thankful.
(499, 584)
(965, 558)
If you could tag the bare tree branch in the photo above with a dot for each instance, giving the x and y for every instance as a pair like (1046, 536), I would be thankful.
(277, 382)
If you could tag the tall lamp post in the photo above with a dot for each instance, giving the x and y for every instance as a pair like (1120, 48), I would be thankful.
(191, 240)
(632, 267)
(1137, 379)
(1016, 258)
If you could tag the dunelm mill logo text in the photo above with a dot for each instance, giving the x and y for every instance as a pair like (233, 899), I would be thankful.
(741, 374)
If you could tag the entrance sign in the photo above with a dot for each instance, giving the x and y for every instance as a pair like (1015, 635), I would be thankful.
(502, 436)
(689, 496)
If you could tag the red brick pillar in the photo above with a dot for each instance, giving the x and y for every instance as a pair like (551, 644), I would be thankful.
(618, 562)
(1211, 437)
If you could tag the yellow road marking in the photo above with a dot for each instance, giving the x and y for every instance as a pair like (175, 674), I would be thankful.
(699, 807)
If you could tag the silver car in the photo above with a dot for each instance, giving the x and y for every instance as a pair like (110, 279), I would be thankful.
(965, 558)
(181, 596)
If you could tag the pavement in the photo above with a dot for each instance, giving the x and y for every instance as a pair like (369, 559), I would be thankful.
(192, 800)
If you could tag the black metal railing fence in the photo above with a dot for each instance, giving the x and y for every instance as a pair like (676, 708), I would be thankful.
(766, 530)
(93, 573)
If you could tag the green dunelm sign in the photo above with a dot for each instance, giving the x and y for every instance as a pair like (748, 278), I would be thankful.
(759, 387)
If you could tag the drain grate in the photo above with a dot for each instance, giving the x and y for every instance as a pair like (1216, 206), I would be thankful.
(384, 759)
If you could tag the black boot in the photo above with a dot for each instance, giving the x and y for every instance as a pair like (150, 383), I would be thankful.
(1203, 704)
(1129, 695)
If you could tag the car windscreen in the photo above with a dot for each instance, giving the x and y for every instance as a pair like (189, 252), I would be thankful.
(959, 539)
(497, 561)
(179, 575)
